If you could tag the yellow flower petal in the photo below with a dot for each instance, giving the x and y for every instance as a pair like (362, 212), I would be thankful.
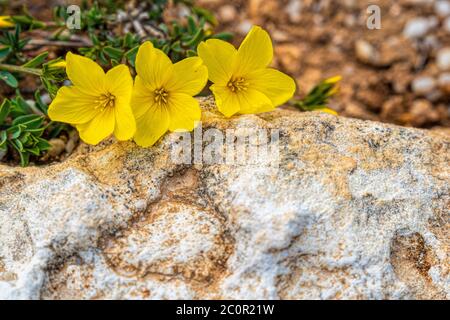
(85, 73)
(5, 22)
(244, 102)
(277, 86)
(327, 110)
(190, 76)
(255, 52)
(253, 101)
(227, 102)
(125, 127)
(333, 80)
(72, 105)
(58, 64)
(120, 84)
(99, 128)
(151, 126)
(153, 66)
(142, 98)
(184, 112)
(219, 57)
(119, 81)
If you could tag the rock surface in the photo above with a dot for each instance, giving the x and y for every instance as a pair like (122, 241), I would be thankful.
(355, 210)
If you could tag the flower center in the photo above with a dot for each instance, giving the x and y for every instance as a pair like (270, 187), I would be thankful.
(161, 96)
(105, 101)
(237, 84)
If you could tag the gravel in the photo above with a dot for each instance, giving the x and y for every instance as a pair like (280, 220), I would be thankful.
(443, 59)
(423, 85)
(419, 27)
(442, 8)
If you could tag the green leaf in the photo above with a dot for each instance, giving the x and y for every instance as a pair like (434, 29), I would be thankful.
(24, 159)
(8, 78)
(131, 55)
(36, 61)
(35, 151)
(14, 132)
(17, 144)
(3, 138)
(43, 144)
(39, 103)
(4, 149)
(176, 46)
(113, 53)
(4, 52)
(225, 36)
(196, 39)
(19, 107)
(191, 53)
(208, 15)
(192, 27)
(4, 110)
(166, 48)
(31, 121)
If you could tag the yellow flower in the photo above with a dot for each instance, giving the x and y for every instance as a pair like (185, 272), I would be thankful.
(58, 64)
(327, 110)
(163, 94)
(98, 104)
(334, 81)
(243, 83)
(5, 22)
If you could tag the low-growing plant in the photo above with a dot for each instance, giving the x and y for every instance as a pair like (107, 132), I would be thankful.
(111, 34)
(317, 98)
(25, 128)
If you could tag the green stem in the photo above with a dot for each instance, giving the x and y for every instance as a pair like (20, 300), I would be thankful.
(13, 68)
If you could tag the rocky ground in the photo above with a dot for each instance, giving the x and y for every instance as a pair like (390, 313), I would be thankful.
(398, 74)
(355, 210)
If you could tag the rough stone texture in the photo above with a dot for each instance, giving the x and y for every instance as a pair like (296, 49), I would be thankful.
(356, 210)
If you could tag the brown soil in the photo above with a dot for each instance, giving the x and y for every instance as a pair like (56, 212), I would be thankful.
(317, 39)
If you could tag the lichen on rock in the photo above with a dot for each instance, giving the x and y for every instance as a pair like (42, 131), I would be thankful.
(355, 210)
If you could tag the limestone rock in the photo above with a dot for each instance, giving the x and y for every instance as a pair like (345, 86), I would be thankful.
(355, 210)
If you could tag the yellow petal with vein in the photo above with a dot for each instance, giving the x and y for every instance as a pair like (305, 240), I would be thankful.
(99, 128)
(219, 57)
(184, 112)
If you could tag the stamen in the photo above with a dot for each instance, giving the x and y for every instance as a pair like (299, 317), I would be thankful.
(161, 96)
(237, 84)
(105, 101)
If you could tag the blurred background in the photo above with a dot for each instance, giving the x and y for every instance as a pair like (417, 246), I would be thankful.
(398, 74)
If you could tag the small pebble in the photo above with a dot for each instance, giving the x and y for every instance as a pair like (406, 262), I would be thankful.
(443, 59)
(46, 98)
(419, 27)
(442, 8)
(73, 141)
(227, 13)
(434, 96)
(58, 146)
(280, 36)
(422, 111)
(244, 27)
(446, 25)
(418, 2)
(365, 52)
(444, 82)
(293, 9)
(350, 4)
(423, 85)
